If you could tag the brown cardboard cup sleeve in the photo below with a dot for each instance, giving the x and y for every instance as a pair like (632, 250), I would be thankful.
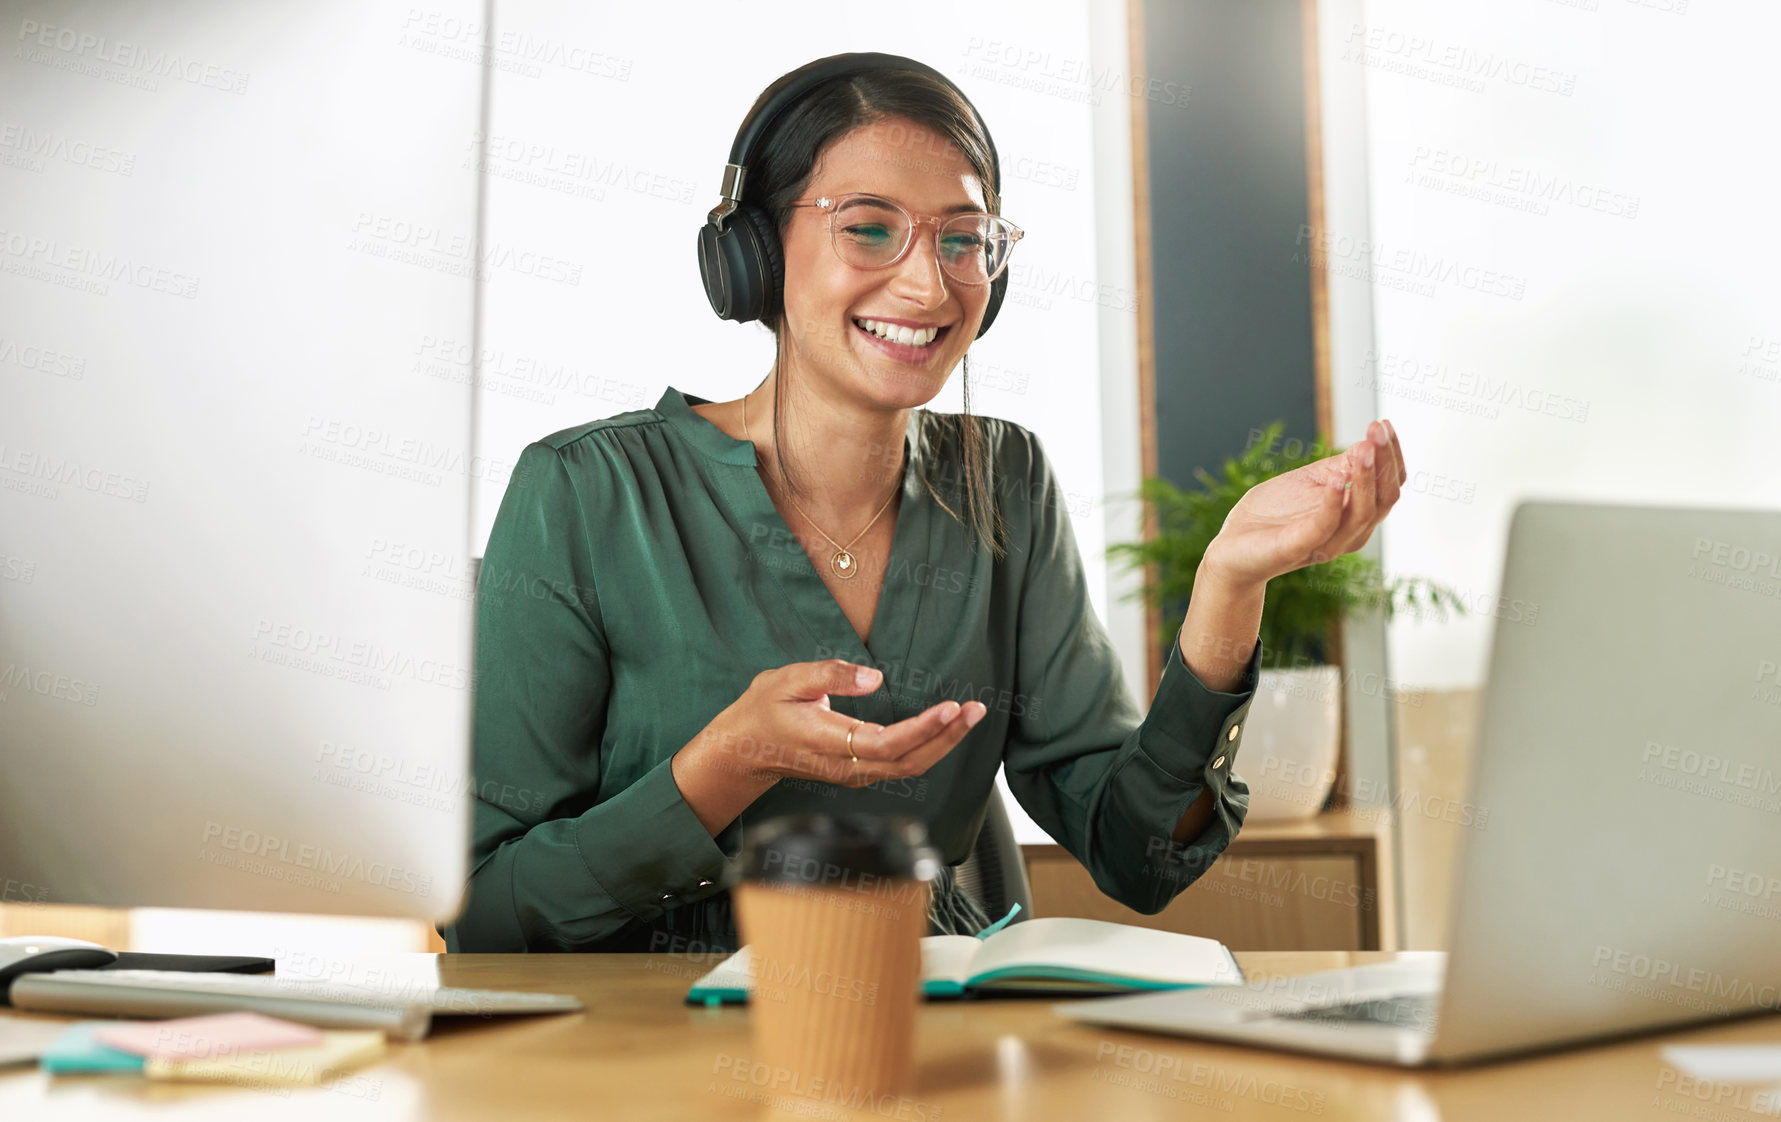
(832, 909)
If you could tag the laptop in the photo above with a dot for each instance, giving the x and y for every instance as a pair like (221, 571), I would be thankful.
(1628, 874)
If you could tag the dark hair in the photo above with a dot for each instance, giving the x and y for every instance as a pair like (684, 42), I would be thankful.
(779, 172)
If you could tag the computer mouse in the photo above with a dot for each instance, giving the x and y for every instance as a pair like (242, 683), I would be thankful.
(31, 954)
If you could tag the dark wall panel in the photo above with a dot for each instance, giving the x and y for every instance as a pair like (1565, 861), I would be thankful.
(1228, 197)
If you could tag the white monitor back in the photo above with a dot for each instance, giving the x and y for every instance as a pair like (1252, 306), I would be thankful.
(235, 614)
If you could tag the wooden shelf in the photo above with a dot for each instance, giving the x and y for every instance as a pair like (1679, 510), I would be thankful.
(1320, 884)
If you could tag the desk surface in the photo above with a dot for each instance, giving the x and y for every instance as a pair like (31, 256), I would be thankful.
(638, 1052)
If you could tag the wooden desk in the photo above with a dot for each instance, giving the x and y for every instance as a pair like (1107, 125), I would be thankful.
(639, 1053)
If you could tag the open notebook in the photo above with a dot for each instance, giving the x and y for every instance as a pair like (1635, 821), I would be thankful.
(1060, 955)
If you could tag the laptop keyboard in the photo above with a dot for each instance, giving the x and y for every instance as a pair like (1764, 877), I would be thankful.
(1414, 1011)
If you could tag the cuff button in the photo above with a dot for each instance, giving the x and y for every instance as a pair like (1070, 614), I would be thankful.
(705, 884)
(1232, 734)
(667, 895)
(1218, 762)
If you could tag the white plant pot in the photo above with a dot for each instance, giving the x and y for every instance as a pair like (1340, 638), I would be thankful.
(1290, 740)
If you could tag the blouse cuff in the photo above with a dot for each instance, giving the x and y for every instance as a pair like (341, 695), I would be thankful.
(670, 859)
(1191, 724)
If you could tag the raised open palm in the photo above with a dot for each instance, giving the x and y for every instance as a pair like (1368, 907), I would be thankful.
(1312, 513)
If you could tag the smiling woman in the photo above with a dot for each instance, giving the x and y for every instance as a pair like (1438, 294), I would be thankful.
(736, 629)
(877, 154)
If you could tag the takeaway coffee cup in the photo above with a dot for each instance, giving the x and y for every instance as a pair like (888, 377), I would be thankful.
(832, 909)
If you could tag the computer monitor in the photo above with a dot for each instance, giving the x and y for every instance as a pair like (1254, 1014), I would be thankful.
(238, 248)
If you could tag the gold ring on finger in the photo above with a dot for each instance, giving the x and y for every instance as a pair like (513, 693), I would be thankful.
(856, 725)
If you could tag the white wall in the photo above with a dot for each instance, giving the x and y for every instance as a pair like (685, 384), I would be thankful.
(609, 130)
(1572, 253)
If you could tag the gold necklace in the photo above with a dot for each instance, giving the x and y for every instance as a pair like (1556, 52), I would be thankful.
(843, 561)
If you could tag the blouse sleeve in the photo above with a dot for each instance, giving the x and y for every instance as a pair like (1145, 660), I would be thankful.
(1108, 782)
(551, 870)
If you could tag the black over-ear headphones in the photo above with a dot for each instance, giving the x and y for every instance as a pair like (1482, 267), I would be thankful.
(740, 257)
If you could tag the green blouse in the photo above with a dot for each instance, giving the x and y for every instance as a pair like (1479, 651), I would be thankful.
(637, 578)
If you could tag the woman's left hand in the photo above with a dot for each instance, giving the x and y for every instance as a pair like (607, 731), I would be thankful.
(1307, 515)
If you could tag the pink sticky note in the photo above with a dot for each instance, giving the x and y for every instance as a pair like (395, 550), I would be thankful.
(207, 1038)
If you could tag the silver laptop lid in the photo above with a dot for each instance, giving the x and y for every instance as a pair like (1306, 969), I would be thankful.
(1628, 875)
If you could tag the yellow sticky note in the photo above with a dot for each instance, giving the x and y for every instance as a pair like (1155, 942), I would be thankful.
(339, 1052)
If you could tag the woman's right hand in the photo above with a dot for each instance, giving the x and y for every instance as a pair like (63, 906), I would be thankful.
(783, 726)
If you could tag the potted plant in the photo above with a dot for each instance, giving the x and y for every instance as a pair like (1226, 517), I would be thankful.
(1295, 717)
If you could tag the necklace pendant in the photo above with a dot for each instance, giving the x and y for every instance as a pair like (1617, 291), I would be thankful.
(844, 564)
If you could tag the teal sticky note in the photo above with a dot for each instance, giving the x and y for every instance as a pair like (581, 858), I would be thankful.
(76, 1050)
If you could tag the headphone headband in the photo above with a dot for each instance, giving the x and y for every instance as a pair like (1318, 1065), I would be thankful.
(837, 66)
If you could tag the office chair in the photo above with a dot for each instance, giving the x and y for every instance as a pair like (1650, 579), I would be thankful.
(996, 874)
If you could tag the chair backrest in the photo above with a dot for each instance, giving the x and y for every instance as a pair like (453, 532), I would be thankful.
(996, 874)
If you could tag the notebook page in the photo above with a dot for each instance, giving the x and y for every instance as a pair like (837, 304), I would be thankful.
(1113, 950)
(944, 958)
(730, 974)
(949, 958)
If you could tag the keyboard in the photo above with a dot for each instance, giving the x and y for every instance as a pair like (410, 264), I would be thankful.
(1415, 1011)
(403, 1009)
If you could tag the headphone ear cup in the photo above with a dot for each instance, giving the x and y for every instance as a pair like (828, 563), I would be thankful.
(743, 266)
(714, 269)
(998, 289)
(765, 237)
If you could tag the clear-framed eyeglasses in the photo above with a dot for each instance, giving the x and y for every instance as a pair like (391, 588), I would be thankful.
(873, 232)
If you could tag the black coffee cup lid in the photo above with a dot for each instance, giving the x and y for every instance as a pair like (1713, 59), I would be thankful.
(837, 850)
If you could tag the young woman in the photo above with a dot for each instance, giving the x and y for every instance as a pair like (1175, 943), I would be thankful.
(820, 596)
